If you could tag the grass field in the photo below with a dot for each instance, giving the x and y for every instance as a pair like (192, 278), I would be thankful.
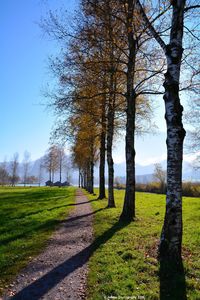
(124, 259)
(125, 264)
(27, 218)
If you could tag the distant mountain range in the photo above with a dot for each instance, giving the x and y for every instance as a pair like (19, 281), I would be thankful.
(144, 174)
(34, 170)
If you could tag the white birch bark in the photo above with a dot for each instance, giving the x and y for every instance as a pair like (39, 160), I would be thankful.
(171, 236)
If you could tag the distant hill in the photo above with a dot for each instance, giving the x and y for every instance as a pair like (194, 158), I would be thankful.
(144, 173)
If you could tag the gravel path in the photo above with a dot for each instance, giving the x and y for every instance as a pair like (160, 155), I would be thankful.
(60, 271)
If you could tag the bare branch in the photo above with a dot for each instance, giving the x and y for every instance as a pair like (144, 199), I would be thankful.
(151, 28)
(191, 7)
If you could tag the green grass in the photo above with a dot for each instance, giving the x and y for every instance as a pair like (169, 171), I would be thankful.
(27, 218)
(125, 263)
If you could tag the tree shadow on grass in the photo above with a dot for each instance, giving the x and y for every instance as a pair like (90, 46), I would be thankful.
(41, 286)
(172, 283)
(25, 215)
(87, 201)
(46, 226)
(34, 196)
(6, 220)
(72, 219)
(29, 231)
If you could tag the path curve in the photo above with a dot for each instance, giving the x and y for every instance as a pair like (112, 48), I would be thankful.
(60, 271)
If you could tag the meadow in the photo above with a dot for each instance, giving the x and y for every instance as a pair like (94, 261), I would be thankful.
(125, 263)
(28, 217)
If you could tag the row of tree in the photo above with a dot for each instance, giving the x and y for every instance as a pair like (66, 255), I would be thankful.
(9, 171)
(115, 55)
(54, 162)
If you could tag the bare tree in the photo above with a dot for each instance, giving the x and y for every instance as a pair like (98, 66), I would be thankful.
(4, 176)
(40, 171)
(26, 165)
(61, 160)
(51, 162)
(160, 176)
(14, 178)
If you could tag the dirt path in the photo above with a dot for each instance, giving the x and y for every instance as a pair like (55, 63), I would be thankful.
(60, 271)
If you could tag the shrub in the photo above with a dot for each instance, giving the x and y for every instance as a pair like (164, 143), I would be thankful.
(190, 189)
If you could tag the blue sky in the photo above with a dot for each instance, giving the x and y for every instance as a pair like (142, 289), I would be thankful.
(25, 123)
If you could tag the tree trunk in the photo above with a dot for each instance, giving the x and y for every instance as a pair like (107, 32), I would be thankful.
(92, 177)
(110, 133)
(171, 236)
(111, 201)
(49, 175)
(79, 178)
(82, 180)
(128, 212)
(111, 110)
(60, 170)
(85, 179)
(102, 193)
(88, 179)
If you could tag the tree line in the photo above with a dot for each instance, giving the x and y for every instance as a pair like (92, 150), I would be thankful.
(116, 57)
(9, 171)
(55, 162)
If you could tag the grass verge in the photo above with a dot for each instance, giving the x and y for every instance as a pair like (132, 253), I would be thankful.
(27, 218)
(125, 264)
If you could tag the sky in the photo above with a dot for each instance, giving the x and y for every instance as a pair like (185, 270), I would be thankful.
(24, 120)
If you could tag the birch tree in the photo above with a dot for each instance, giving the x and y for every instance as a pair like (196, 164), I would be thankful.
(171, 236)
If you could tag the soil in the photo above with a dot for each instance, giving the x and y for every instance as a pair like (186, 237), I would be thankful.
(60, 271)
